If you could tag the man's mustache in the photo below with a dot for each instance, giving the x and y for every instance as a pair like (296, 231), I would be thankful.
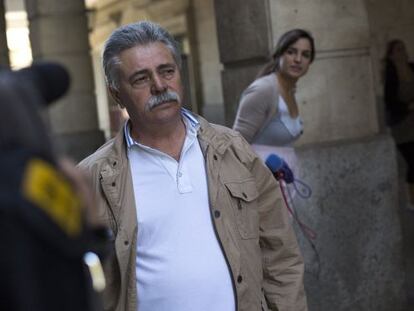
(156, 100)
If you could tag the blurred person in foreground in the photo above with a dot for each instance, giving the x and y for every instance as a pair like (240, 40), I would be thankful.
(399, 105)
(49, 229)
(198, 220)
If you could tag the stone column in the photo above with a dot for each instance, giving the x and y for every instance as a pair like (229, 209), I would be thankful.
(355, 262)
(59, 32)
(4, 50)
(244, 38)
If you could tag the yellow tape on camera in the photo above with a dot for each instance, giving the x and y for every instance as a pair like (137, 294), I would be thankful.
(45, 187)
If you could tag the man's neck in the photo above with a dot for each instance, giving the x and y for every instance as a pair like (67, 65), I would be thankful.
(168, 138)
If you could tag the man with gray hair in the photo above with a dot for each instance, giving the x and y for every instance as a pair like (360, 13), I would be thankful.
(198, 220)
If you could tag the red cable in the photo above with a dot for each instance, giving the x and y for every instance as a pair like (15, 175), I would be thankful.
(305, 229)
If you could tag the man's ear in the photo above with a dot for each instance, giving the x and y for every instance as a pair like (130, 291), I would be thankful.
(115, 95)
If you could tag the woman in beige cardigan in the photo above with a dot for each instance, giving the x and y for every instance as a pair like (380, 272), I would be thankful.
(268, 113)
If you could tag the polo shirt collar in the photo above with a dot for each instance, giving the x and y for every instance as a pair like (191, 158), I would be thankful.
(192, 127)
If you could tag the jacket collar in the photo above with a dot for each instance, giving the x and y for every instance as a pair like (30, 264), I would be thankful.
(210, 137)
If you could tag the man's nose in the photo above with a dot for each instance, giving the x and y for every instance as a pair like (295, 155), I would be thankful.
(158, 84)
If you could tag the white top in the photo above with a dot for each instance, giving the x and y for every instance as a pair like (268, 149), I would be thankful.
(180, 265)
(282, 129)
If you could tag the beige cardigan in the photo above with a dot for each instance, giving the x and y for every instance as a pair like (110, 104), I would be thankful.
(258, 104)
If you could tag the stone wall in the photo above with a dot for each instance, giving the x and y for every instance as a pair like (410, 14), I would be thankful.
(59, 32)
(357, 261)
(336, 98)
(244, 38)
(388, 20)
(210, 67)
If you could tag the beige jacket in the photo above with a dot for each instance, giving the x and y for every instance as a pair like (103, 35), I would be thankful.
(249, 216)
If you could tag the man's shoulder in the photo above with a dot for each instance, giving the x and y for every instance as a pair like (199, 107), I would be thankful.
(101, 155)
(217, 129)
(222, 137)
(224, 130)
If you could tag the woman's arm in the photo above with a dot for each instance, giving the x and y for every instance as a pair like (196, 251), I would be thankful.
(255, 105)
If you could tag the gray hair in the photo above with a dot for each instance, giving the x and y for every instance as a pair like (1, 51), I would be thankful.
(131, 35)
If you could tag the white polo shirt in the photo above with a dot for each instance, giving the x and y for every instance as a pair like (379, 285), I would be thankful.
(180, 265)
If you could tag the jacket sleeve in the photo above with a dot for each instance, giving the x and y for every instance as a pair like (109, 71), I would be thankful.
(90, 167)
(283, 266)
(254, 109)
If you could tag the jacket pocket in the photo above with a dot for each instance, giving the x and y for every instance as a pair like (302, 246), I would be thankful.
(244, 195)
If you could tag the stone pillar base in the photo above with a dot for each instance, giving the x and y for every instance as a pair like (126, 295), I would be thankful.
(357, 263)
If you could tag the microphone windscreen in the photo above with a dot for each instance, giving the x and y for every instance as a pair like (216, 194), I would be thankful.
(50, 79)
(274, 162)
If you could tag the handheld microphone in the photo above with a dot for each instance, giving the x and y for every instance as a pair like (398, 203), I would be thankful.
(279, 168)
(282, 171)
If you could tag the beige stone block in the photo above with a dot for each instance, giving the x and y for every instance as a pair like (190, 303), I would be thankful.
(385, 14)
(242, 29)
(176, 25)
(100, 34)
(334, 24)
(53, 7)
(73, 113)
(389, 20)
(210, 66)
(58, 34)
(102, 4)
(167, 8)
(80, 70)
(336, 99)
(234, 81)
(133, 15)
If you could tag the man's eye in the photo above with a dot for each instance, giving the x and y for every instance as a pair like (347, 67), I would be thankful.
(141, 80)
(168, 73)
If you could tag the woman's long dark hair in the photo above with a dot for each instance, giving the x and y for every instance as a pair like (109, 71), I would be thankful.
(285, 41)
